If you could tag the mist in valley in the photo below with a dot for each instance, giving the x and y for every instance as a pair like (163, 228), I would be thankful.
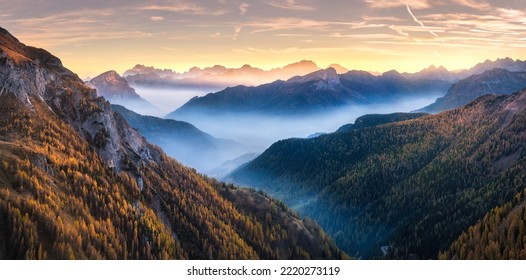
(168, 99)
(253, 133)
(260, 131)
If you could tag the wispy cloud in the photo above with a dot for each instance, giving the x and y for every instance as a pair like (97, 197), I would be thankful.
(421, 23)
(156, 18)
(237, 29)
(386, 4)
(475, 4)
(243, 8)
(184, 8)
(289, 5)
(76, 27)
(399, 30)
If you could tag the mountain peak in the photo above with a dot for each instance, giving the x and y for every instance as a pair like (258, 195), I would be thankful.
(392, 74)
(117, 90)
(325, 78)
(112, 82)
(302, 64)
(339, 69)
(39, 67)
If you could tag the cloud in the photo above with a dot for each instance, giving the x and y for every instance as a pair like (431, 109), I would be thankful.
(289, 5)
(399, 30)
(512, 15)
(475, 4)
(386, 4)
(237, 29)
(243, 8)
(156, 18)
(184, 8)
(421, 23)
(168, 49)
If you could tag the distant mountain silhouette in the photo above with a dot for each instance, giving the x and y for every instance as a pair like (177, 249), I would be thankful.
(215, 77)
(315, 92)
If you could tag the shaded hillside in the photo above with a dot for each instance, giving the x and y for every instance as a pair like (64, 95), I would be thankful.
(411, 186)
(183, 141)
(496, 81)
(77, 182)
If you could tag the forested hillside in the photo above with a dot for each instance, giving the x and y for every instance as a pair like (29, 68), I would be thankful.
(406, 189)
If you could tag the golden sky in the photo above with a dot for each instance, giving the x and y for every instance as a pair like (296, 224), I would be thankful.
(375, 35)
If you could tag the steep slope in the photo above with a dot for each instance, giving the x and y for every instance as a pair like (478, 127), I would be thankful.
(501, 233)
(496, 81)
(76, 181)
(183, 141)
(316, 92)
(411, 186)
(116, 90)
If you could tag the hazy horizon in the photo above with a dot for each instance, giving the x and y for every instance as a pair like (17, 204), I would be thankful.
(91, 37)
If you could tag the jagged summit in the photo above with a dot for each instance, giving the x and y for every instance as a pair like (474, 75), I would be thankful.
(111, 85)
(116, 90)
(339, 69)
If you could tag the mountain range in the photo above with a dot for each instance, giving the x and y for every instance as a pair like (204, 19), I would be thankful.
(221, 76)
(217, 76)
(316, 92)
(77, 182)
(448, 185)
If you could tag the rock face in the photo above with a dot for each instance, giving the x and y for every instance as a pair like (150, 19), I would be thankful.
(112, 85)
(30, 72)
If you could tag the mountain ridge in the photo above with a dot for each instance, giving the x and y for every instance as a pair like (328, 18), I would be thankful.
(495, 81)
(312, 93)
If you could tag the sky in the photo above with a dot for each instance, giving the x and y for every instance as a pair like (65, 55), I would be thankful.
(93, 36)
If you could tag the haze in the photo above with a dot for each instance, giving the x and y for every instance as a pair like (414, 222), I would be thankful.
(168, 99)
(259, 132)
